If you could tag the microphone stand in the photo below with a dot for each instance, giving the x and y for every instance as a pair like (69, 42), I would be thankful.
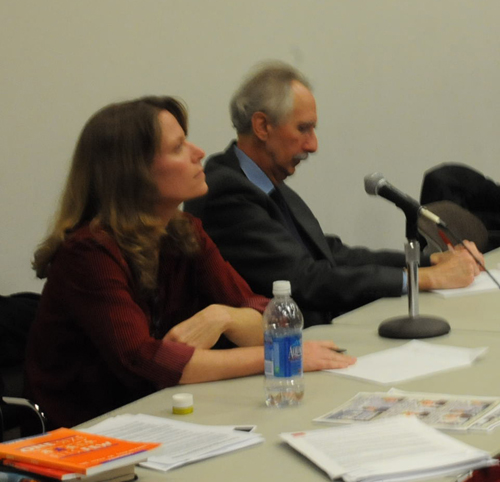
(414, 325)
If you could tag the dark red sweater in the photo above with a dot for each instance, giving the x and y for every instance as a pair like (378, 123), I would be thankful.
(91, 349)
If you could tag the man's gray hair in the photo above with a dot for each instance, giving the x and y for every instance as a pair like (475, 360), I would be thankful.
(267, 90)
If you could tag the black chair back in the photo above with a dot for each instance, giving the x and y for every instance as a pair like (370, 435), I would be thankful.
(470, 189)
(18, 415)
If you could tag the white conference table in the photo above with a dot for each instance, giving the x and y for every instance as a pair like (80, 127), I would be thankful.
(474, 320)
(241, 401)
(470, 312)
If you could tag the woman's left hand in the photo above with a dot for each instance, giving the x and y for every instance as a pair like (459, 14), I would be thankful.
(203, 329)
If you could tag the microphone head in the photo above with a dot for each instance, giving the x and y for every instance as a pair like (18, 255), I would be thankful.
(373, 182)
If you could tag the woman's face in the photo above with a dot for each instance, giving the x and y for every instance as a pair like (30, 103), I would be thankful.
(177, 167)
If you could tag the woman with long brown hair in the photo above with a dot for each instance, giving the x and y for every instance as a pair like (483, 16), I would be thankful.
(137, 294)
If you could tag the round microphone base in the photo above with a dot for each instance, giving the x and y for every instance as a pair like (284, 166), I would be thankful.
(407, 327)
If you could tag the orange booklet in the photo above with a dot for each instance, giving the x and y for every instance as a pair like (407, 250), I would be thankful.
(76, 451)
(120, 474)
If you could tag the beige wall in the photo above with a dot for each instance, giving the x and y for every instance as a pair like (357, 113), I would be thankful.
(401, 86)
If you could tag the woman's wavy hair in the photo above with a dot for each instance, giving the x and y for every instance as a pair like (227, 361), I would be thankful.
(110, 186)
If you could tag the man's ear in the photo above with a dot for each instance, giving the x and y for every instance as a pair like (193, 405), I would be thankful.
(260, 125)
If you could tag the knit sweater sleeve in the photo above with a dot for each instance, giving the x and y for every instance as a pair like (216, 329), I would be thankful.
(98, 293)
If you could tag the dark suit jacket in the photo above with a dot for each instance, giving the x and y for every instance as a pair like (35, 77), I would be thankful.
(327, 279)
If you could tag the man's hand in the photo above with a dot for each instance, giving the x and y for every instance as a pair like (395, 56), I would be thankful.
(455, 268)
(321, 355)
(437, 258)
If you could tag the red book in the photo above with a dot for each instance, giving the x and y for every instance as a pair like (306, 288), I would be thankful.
(74, 451)
(41, 470)
(121, 474)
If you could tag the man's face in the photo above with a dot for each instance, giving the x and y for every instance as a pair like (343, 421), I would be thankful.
(291, 142)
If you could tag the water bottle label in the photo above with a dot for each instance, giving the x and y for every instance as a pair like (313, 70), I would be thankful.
(283, 355)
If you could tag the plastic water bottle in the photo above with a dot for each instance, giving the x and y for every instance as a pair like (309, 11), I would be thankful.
(283, 323)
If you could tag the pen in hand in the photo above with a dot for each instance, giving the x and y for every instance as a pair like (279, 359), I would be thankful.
(479, 263)
(339, 350)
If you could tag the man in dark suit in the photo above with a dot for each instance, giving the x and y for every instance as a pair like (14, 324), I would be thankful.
(267, 232)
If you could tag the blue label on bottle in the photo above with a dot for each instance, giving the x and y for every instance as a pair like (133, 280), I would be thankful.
(283, 355)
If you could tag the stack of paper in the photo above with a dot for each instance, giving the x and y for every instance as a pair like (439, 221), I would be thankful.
(409, 361)
(392, 449)
(182, 442)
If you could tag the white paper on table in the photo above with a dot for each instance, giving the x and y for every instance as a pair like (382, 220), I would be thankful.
(397, 448)
(412, 360)
(482, 284)
(182, 442)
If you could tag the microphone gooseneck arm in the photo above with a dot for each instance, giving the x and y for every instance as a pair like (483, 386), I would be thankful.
(414, 325)
(377, 185)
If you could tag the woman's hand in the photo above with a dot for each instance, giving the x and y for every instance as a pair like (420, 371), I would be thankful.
(243, 326)
(321, 355)
(203, 329)
(209, 365)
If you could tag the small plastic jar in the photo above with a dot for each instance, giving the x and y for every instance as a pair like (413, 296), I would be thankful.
(182, 403)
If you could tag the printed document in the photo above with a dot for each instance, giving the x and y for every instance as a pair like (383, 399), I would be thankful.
(182, 442)
(409, 361)
(393, 449)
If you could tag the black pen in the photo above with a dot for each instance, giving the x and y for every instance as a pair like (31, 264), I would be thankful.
(481, 265)
(339, 350)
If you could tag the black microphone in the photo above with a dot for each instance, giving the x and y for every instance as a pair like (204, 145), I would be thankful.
(377, 185)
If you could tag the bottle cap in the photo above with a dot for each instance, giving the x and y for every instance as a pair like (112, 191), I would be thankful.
(282, 287)
(182, 403)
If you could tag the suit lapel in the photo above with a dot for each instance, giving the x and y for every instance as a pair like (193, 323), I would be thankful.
(305, 219)
(302, 215)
